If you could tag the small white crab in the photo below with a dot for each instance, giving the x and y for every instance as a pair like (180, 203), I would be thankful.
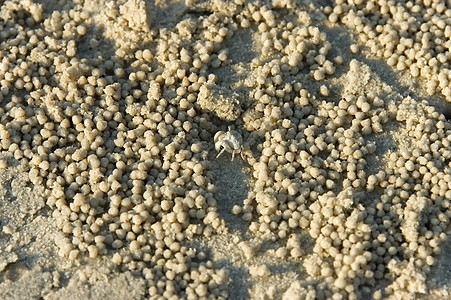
(229, 141)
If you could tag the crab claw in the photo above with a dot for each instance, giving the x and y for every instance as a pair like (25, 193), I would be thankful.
(218, 146)
(217, 135)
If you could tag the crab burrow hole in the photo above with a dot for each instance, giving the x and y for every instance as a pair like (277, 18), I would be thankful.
(232, 183)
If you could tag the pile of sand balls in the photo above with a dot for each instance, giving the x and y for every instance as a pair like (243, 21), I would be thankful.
(411, 36)
(122, 139)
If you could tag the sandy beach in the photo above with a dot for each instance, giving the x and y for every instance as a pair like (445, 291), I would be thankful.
(213, 149)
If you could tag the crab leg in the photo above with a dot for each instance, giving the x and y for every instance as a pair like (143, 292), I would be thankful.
(242, 155)
(220, 152)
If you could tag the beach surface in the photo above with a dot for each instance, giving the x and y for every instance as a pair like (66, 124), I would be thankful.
(332, 121)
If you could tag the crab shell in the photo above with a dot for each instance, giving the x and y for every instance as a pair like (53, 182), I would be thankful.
(227, 145)
(230, 140)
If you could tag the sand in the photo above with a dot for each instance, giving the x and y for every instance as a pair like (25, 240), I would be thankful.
(31, 266)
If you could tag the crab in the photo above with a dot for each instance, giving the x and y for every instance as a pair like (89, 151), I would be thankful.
(229, 141)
